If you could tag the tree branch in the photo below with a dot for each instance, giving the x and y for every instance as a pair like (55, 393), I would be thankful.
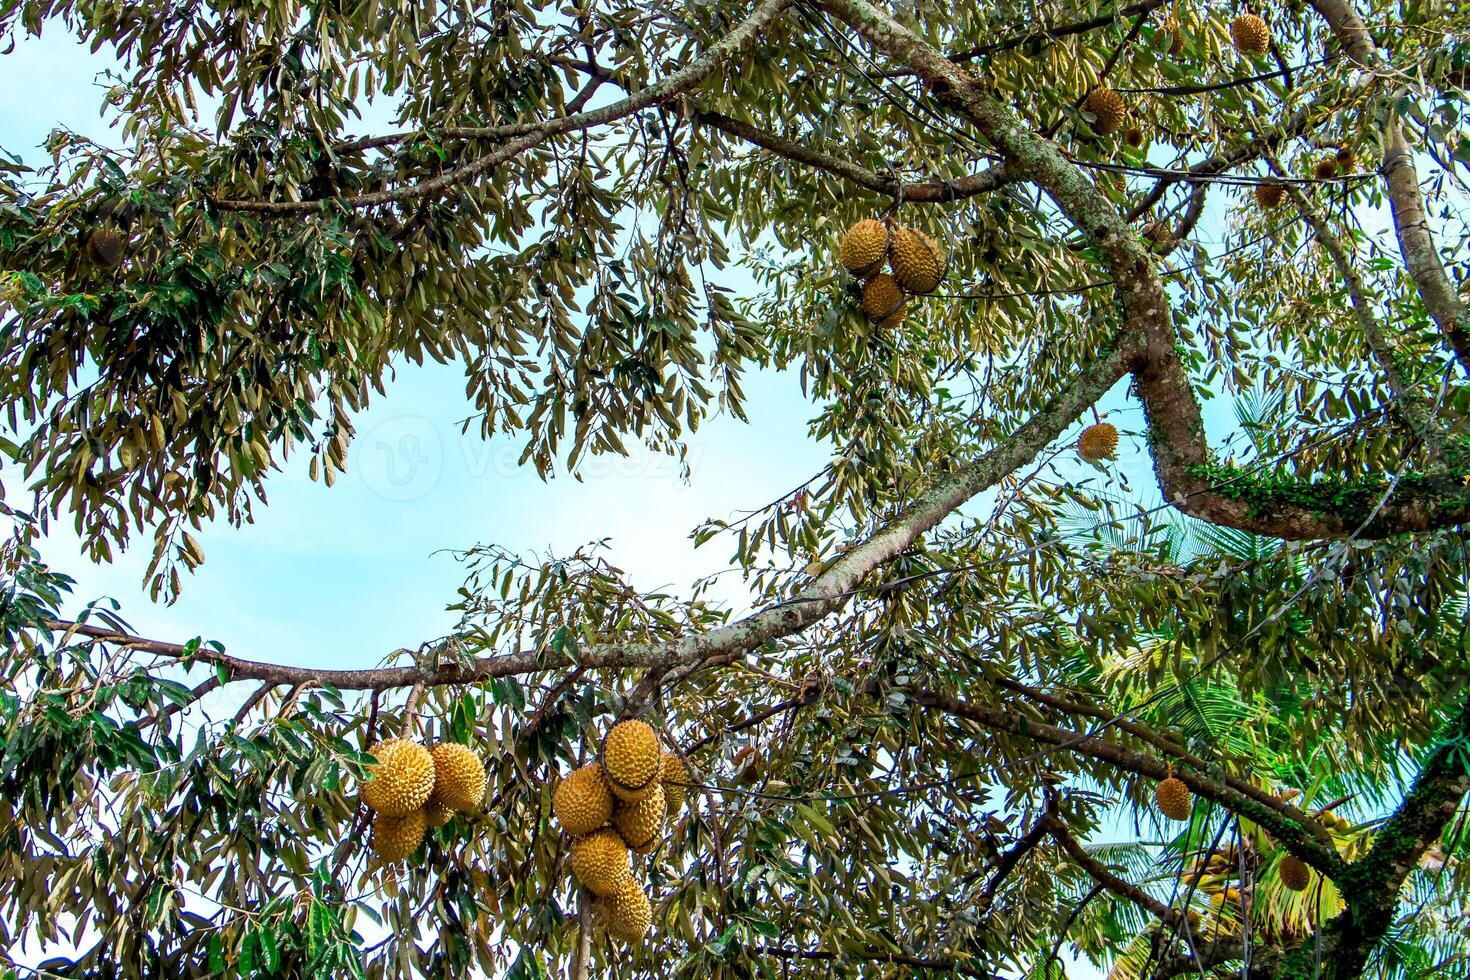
(1292, 834)
(743, 36)
(1410, 220)
(1118, 886)
(924, 192)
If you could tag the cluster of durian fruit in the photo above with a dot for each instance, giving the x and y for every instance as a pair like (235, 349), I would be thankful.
(915, 263)
(1250, 35)
(411, 789)
(615, 807)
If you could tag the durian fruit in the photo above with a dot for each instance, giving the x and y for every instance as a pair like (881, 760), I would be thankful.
(1325, 168)
(1175, 32)
(1250, 35)
(1174, 799)
(863, 246)
(437, 814)
(1108, 108)
(106, 245)
(916, 260)
(395, 838)
(675, 779)
(1347, 159)
(459, 777)
(626, 912)
(883, 300)
(1270, 193)
(1133, 136)
(600, 861)
(1098, 442)
(1294, 873)
(631, 759)
(582, 801)
(1158, 235)
(402, 779)
(641, 824)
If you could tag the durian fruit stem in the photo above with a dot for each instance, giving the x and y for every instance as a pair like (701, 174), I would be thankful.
(582, 957)
(411, 711)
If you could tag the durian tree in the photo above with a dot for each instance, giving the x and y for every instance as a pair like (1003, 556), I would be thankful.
(974, 660)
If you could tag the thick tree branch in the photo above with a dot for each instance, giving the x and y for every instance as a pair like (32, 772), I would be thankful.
(824, 595)
(1370, 885)
(1410, 220)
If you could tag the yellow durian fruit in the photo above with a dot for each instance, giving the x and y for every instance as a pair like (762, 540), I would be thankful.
(1174, 799)
(631, 759)
(641, 824)
(916, 260)
(395, 838)
(1098, 442)
(627, 913)
(675, 779)
(582, 802)
(401, 780)
(1250, 35)
(459, 777)
(600, 861)
(883, 300)
(863, 246)
(1107, 108)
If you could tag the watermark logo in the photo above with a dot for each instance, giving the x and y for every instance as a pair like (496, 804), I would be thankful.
(401, 459)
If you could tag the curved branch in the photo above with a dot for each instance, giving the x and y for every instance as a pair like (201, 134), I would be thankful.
(824, 595)
(1100, 874)
(923, 192)
(744, 35)
(1292, 834)
(1060, 31)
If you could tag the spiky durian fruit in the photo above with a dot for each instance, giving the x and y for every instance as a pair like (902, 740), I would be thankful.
(1347, 158)
(437, 815)
(106, 245)
(916, 260)
(600, 861)
(1270, 193)
(1250, 35)
(1325, 168)
(883, 300)
(1158, 235)
(1098, 442)
(1174, 799)
(459, 777)
(626, 912)
(631, 759)
(864, 245)
(641, 824)
(402, 779)
(395, 838)
(1108, 109)
(582, 801)
(1175, 32)
(675, 779)
(1133, 136)
(1294, 873)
